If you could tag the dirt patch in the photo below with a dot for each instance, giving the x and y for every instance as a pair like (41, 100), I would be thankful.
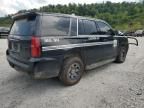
(110, 86)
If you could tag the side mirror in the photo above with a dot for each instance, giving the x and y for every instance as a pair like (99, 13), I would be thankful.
(117, 32)
(112, 32)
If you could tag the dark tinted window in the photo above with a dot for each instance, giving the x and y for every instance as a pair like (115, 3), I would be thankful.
(73, 26)
(104, 28)
(80, 27)
(55, 26)
(89, 27)
(23, 27)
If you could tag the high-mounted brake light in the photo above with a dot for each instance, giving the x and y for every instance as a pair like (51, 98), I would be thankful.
(35, 47)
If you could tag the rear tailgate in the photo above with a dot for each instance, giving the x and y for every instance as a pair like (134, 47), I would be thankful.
(19, 39)
(19, 48)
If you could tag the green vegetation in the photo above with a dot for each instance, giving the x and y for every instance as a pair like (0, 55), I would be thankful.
(122, 16)
(5, 21)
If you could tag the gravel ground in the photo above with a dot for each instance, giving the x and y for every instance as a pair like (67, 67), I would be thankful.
(109, 86)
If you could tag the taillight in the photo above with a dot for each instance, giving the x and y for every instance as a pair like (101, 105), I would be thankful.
(35, 47)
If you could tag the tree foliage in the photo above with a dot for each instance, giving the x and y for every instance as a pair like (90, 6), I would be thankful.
(123, 16)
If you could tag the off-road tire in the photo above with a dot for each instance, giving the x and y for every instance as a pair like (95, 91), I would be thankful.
(121, 55)
(72, 71)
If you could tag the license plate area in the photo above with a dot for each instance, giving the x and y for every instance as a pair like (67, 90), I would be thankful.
(15, 47)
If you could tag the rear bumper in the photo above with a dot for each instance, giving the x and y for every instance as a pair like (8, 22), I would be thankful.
(39, 68)
(27, 67)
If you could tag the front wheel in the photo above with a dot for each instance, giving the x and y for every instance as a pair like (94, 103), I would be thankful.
(122, 55)
(72, 71)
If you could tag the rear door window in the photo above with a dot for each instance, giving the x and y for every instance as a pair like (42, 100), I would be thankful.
(73, 27)
(55, 26)
(23, 27)
(80, 27)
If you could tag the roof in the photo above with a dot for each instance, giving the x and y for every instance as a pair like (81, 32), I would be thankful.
(56, 14)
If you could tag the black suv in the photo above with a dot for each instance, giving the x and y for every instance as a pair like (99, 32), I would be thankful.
(49, 45)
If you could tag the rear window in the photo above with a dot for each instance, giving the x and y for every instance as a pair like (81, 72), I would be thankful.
(23, 27)
(55, 26)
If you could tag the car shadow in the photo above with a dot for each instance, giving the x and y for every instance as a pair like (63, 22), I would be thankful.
(24, 84)
(96, 70)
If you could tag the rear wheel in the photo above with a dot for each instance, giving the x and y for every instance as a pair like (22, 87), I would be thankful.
(122, 55)
(72, 71)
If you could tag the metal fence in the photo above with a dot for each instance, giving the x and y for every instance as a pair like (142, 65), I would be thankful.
(3, 35)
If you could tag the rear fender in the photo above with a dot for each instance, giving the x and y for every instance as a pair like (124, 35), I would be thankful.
(75, 52)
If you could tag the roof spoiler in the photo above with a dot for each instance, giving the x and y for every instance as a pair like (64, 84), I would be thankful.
(23, 15)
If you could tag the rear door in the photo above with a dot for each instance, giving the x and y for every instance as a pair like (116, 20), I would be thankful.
(20, 35)
(87, 31)
(58, 35)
